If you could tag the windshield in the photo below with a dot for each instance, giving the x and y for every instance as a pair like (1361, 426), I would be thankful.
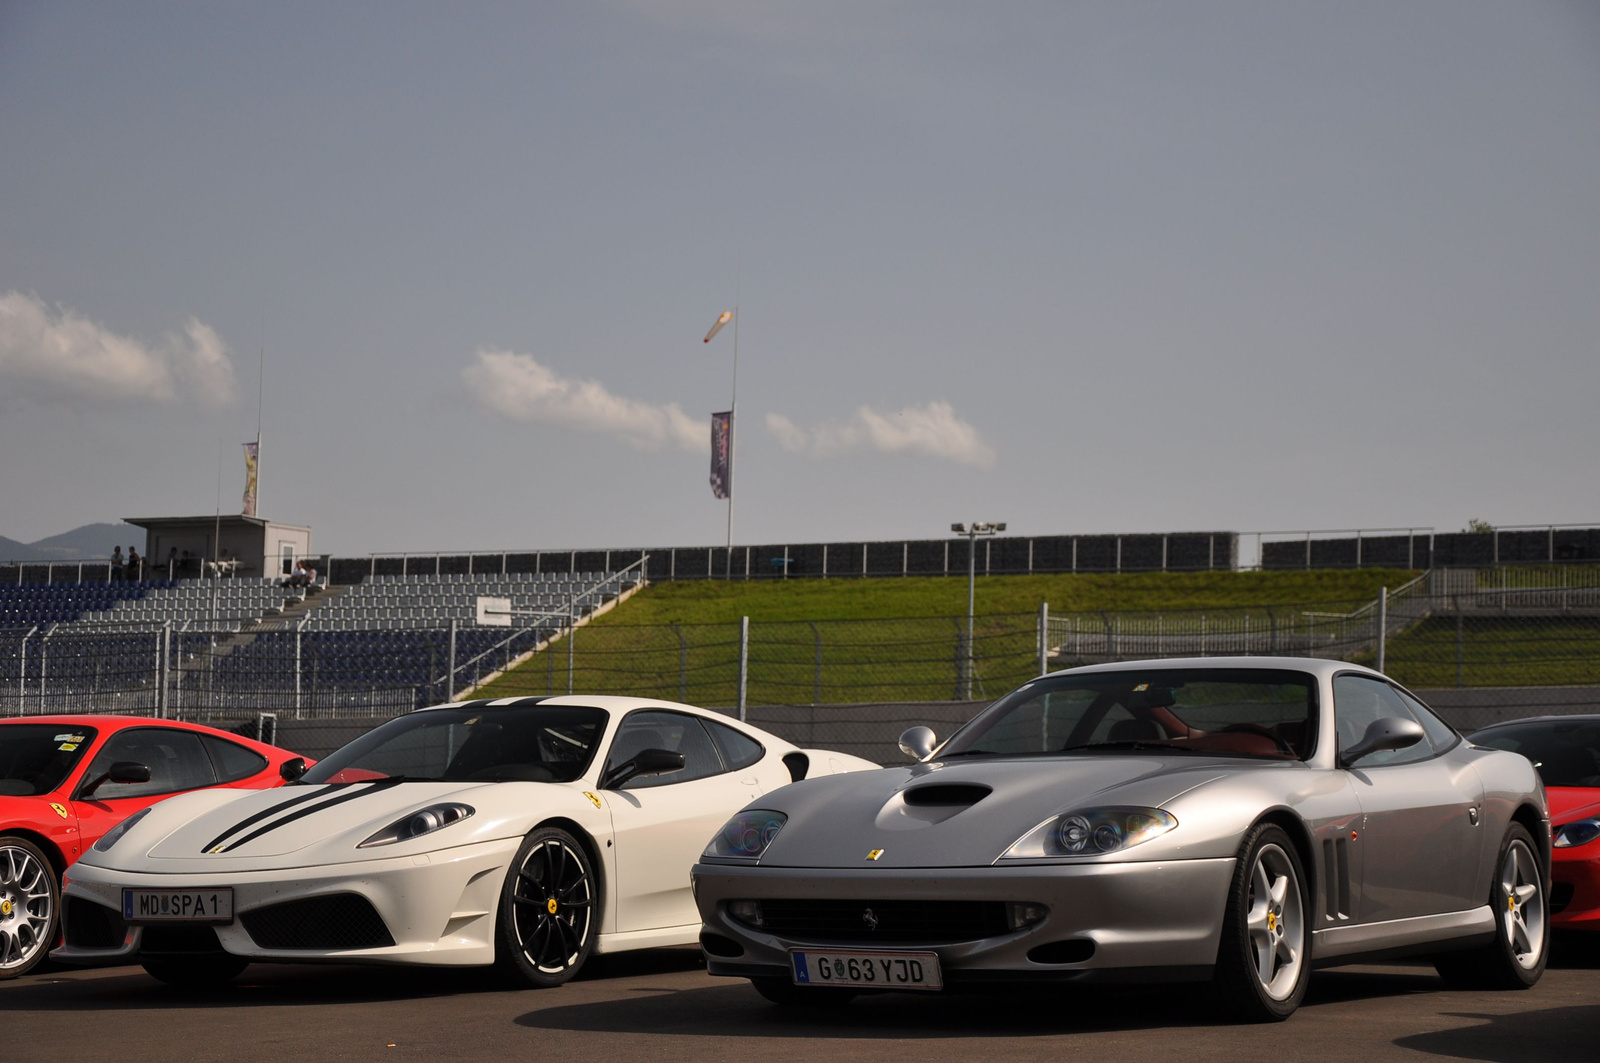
(531, 743)
(1566, 752)
(35, 758)
(1235, 712)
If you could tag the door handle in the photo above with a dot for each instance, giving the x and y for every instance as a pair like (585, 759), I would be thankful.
(1472, 814)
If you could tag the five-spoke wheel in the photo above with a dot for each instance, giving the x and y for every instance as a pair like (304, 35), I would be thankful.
(547, 909)
(1262, 963)
(30, 899)
(1516, 957)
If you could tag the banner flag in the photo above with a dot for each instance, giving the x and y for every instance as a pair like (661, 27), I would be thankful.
(722, 319)
(252, 454)
(722, 454)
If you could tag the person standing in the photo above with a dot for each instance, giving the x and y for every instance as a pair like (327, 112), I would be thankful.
(135, 565)
(116, 564)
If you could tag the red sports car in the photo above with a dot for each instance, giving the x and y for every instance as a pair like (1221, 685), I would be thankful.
(1566, 750)
(66, 780)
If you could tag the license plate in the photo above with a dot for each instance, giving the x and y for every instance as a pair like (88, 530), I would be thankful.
(178, 906)
(882, 970)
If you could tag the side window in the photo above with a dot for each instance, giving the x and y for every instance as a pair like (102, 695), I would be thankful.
(176, 760)
(1441, 734)
(233, 762)
(738, 749)
(673, 732)
(1357, 702)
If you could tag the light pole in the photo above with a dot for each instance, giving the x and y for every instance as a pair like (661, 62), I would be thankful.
(971, 532)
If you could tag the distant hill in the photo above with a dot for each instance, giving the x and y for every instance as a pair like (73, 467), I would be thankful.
(92, 542)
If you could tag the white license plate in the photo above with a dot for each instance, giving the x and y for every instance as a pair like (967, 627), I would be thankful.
(178, 906)
(881, 970)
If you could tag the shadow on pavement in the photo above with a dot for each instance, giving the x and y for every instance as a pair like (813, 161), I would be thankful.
(1551, 1035)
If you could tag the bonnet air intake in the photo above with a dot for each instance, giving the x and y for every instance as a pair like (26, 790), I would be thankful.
(945, 795)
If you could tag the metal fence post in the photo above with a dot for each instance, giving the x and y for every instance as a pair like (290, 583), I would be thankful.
(816, 676)
(297, 704)
(450, 677)
(744, 662)
(164, 641)
(1383, 624)
(1460, 648)
(572, 635)
(1044, 637)
(683, 664)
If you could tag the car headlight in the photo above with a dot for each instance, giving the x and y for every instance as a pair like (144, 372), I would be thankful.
(114, 835)
(1091, 832)
(747, 835)
(1578, 832)
(416, 824)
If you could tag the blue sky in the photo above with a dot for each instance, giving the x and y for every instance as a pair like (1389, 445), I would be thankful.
(1080, 267)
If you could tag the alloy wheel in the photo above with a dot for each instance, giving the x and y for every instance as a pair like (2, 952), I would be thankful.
(1522, 899)
(1275, 923)
(27, 907)
(553, 900)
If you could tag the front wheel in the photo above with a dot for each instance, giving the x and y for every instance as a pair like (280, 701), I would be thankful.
(196, 972)
(1263, 960)
(1516, 957)
(545, 931)
(30, 906)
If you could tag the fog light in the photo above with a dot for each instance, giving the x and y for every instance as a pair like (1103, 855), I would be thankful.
(1020, 915)
(746, 912)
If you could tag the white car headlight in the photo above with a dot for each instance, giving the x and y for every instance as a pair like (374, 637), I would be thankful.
(114, 835)
(1578, 832)
(416, 824)
(747, 835)
(1091, 832)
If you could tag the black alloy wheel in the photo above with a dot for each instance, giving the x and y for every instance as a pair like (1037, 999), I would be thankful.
(547, 910)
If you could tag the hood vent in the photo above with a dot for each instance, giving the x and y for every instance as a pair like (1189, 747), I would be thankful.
(945, 795)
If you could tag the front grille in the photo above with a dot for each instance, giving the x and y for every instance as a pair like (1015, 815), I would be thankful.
(924, 922)
(178, 941)
(93, 926)
(1560, 897)
(337, 921)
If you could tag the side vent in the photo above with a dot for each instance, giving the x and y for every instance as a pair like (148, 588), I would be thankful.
(798, 764)
(1336, 878)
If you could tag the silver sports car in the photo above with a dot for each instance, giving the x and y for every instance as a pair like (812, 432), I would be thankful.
(1232, 820)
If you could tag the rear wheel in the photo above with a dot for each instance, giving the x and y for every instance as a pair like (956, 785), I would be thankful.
(1263, 960)
(1516, 957)
(782, 991)
(196, 972)
(30, 906)
(547, 910)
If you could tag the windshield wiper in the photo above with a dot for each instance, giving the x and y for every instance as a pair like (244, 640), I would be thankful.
(972, 753)
(1136, 743)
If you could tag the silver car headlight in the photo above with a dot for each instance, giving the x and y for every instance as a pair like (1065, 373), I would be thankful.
(114, 835)
(416, 824)
(1091, 832)
(1578, 832)
(747, 835)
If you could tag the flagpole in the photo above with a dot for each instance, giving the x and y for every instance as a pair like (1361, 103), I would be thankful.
(733, 432)
(261, 379)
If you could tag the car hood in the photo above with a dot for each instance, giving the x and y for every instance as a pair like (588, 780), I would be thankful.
(295, 826)
(965, 813)
(1568, 803)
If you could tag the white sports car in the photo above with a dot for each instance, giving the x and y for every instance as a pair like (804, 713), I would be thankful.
(527, 833)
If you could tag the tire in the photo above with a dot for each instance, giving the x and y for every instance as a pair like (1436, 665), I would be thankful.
(784, 992)
(30, 906)
(1518, 896)
(1264, 959)
(548, 905)
(196, 972)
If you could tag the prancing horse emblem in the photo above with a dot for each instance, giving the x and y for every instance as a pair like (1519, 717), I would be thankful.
(870, 919)
(874, 854)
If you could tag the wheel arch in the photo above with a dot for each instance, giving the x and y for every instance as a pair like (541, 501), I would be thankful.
(1528, 816)
(591, 849)
(52, 853)
(1305, 849)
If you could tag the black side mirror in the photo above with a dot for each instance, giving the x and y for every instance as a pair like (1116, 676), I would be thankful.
(290, 770)
(1391, 732)
(121, 771)
(644, 762)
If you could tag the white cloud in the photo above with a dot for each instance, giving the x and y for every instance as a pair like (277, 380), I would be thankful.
(932, 430)
(518, 386)
(61, 355)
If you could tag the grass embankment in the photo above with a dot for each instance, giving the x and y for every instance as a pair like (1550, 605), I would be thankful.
(1497, 651)
(832, 641)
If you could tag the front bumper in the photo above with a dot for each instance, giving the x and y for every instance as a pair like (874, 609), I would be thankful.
(1147, 921)
(438, 908)
(1575, 884)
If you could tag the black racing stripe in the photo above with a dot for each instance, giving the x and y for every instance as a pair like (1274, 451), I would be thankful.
(251, 821)
(381, 784)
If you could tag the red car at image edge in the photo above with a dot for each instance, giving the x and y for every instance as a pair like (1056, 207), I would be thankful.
(67, 780)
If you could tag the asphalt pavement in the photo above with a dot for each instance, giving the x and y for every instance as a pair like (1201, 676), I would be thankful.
(661, 1006)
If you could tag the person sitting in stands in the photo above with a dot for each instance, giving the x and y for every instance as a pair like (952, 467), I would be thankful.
(300, 578)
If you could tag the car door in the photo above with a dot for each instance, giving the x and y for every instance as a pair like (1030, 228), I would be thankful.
(662, 823)
(177, 761)
(1420, 842)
